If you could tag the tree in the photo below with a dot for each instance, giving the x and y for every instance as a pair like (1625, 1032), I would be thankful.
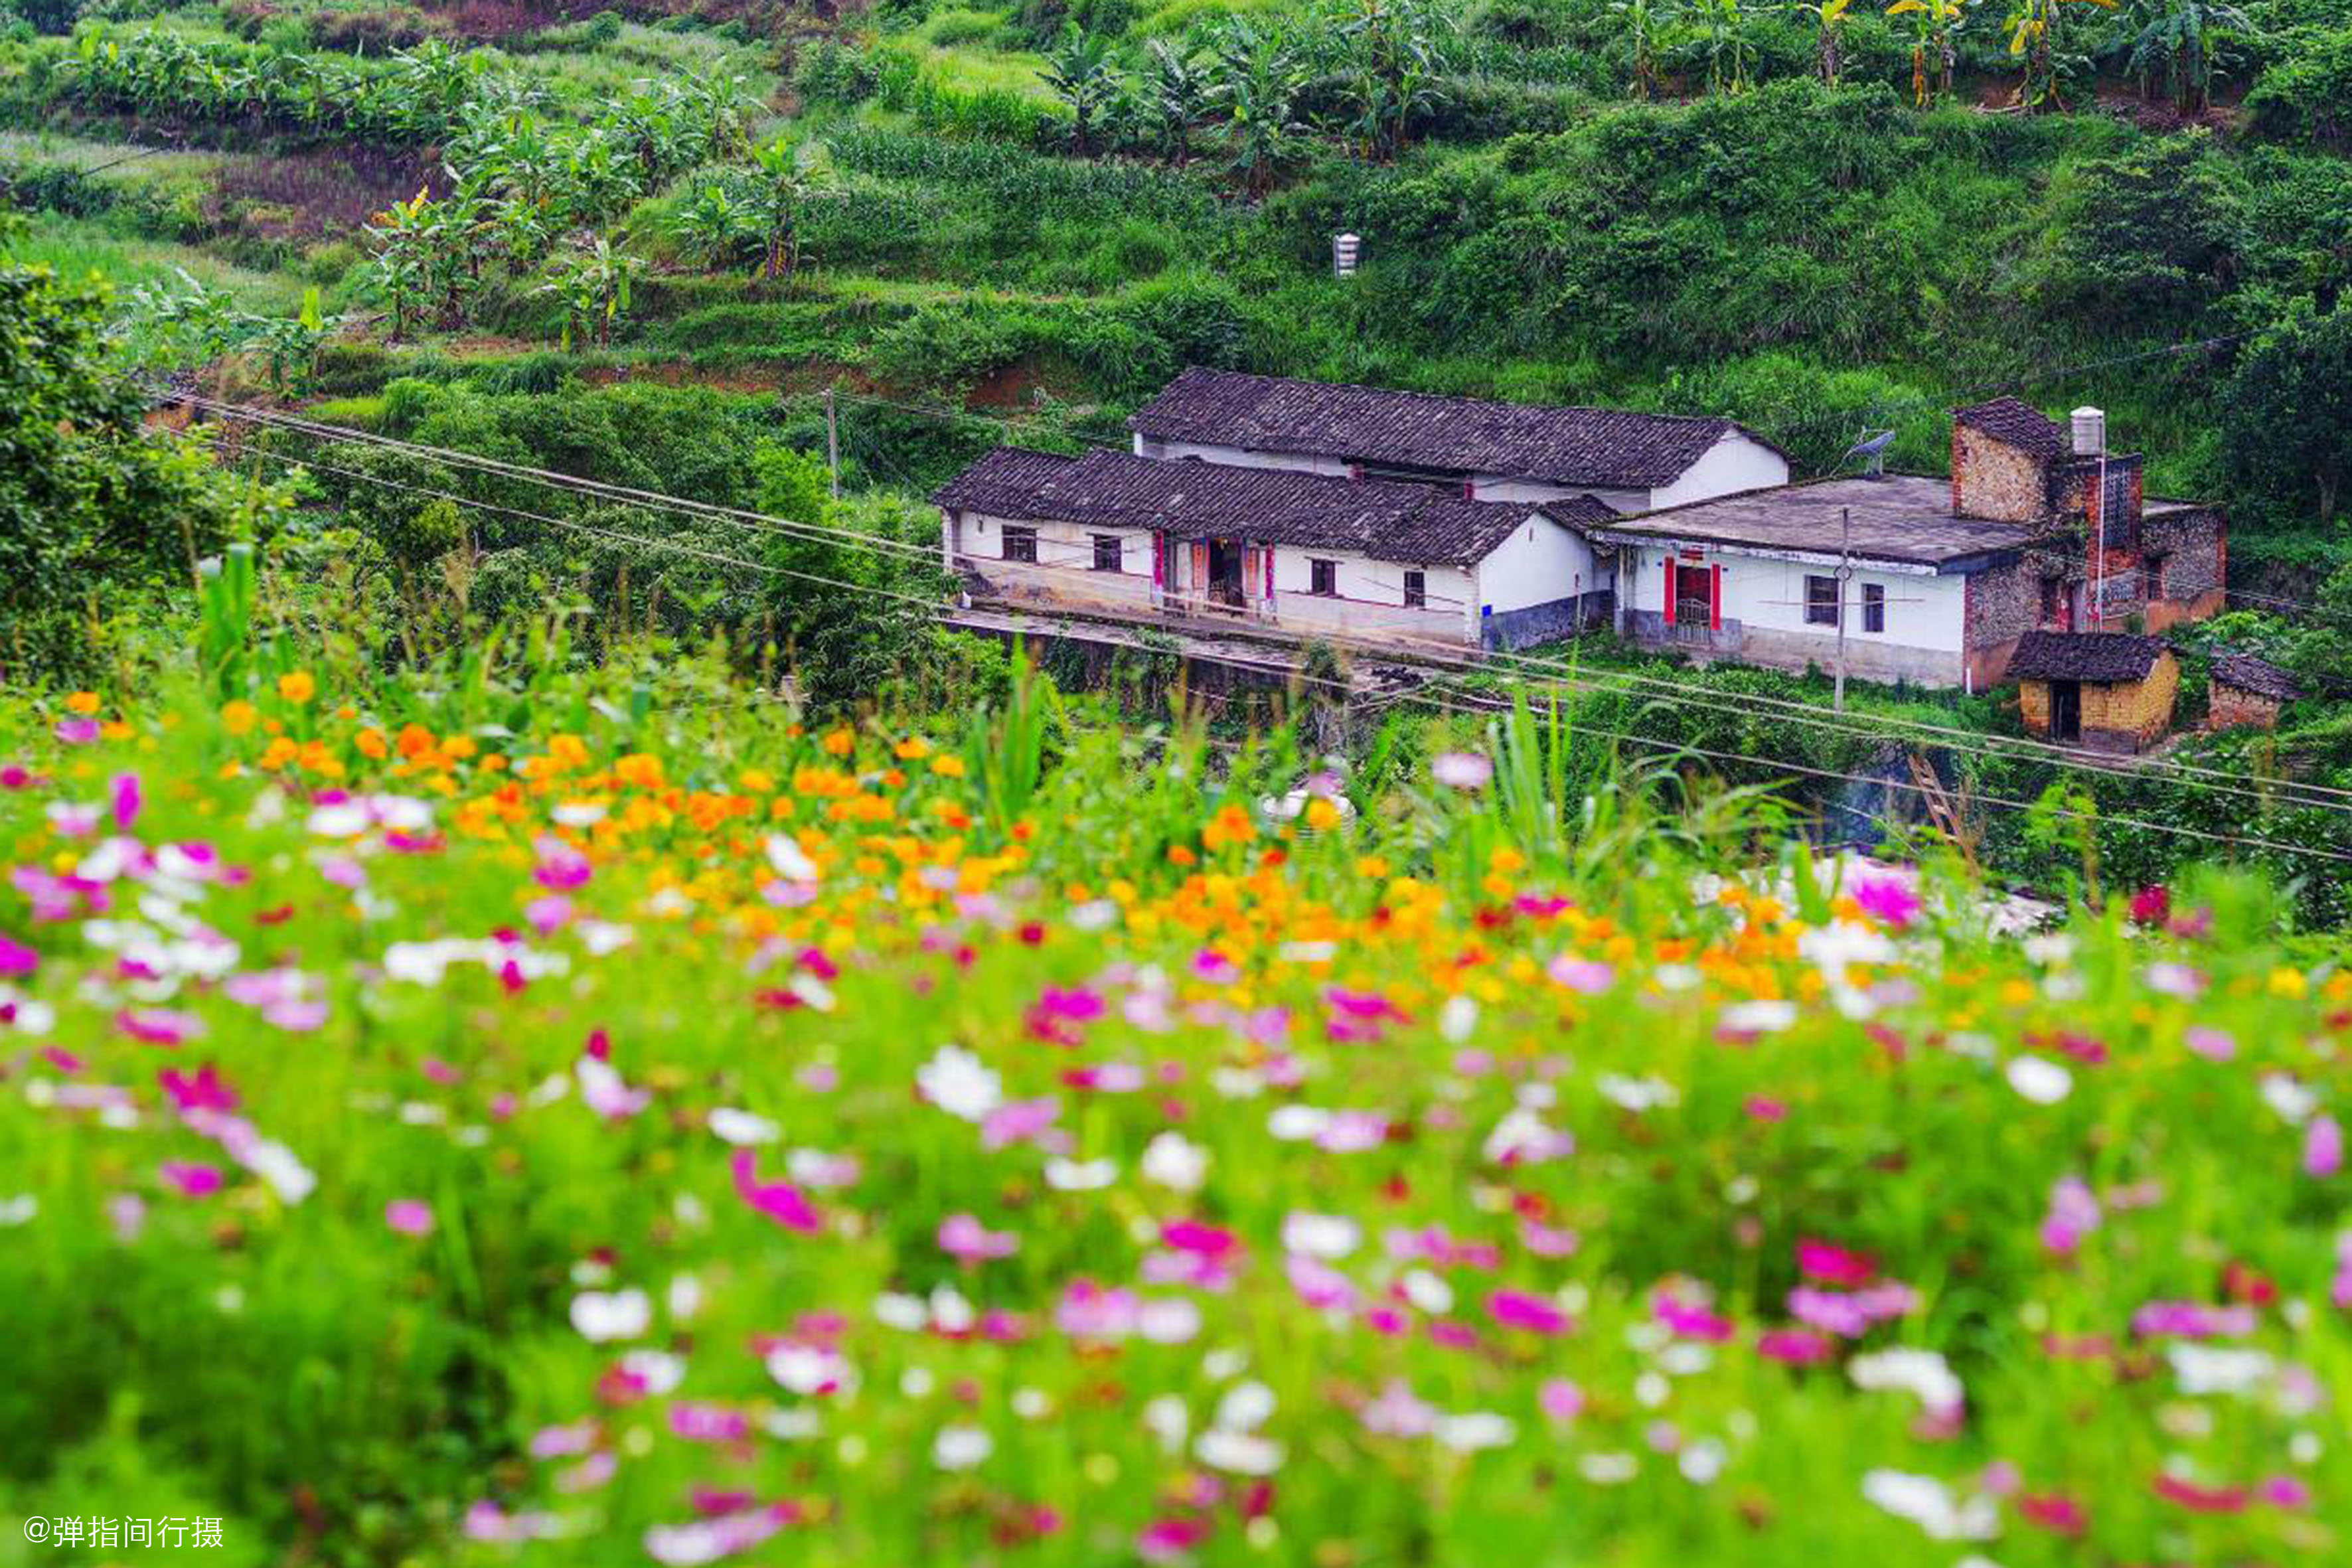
(405, 236)
(1933, 24)
(2182, 40)
(2288, 410)
(1258, 78)
(709, 224)
(592, 281)
(95, 511)
(1391, 69)
(1080, 72)
(786, 179)
(1724, 42)
(1645, 25)
(2032, 40)
(1828, 19)
(1175, 94)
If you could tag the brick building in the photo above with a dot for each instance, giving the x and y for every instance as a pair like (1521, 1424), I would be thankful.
(2247, 692)
(2107, 691)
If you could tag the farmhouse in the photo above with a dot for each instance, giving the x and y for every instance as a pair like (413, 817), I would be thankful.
(2108, 691)
(1124, 534)
(1491, 451)
(1930, 581)
(2246, 693)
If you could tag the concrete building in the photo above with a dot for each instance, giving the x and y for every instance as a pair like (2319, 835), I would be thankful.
(1491, 451)
(1944, 575)
(1308, 552)
(2105, 691)
(2246, 693)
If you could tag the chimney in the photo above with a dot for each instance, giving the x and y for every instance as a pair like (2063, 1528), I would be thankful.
(2090, 432)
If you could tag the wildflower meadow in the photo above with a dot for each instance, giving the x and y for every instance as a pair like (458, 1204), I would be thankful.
(488, 1121)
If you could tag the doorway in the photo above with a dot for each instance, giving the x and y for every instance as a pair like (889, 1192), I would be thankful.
(2065, 709)
(1226, 572)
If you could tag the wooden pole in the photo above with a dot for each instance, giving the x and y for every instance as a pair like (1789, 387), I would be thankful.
(1845, 577)
(831, 445)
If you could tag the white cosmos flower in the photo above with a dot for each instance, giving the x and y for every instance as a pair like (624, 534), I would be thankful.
(1321, 1234)
(600, 1316)
(660, 1371)
(742, 1127)
(1636, 1094)
(1923, 1374)
(1167, 1321)
(1523, 1138)
(1761, 1018)
(1478, 1429)
(960, 1083)
(1927, 1503)
(1297, 1123)
(1238, 1453)
(1080, 1175)
(2040, 1079)
(1457, 1019)
(1427, 1291)
(1175, 1164)
(961, 1448)
(2206, 1369)
(790, 860)
(2293, 1102)
(1245, 1408)
(1613, 1469)
(1164, 1417)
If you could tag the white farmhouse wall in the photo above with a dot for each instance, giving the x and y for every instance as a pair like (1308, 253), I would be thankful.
(1064, 569)
(1540, 562)
(1371, 597)
(1734, 463)
(1494, 486)
(1763, 616)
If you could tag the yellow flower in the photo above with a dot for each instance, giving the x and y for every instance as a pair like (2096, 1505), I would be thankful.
(840, 742)
(297, 687)
(914, 748)
(2288, 982)
(83, 702)
(370, 742)
(639, 770)
(948, 767)
(1321, 814)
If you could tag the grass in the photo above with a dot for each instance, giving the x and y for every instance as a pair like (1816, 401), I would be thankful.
(80, 248)
(624, 1114)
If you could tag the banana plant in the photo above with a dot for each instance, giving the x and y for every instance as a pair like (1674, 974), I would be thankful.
(1646, 26)
(2033, 39)
(405, 235)
(1829, 19)
(1934, 23)
(591, 280)
(785, 180)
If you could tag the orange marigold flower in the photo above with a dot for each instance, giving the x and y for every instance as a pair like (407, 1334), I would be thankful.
(914, 748)
(840, 742)
(640, 769)
(297, 687)
(280, 752)
(948, 767)
(371, 744)
(237, 717)
(83, 702)
(414, 741)
(756, 781)
(1177, 854)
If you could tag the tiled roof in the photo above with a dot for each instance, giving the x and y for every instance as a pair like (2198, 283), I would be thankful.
(2258, 676)
(1901, 517)
(2020, 424)
(1190, 499)
(1605, 449)
(2100, 657)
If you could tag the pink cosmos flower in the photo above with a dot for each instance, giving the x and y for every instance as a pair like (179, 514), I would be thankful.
(1520, 1309)
(1834, 1265)
(192, 1181)
(698, 1422)
(562, 1442)
(158, 1025)
(779, 1201)
(16, 959)
(2214, 1045)
(964, 1238)
(1795, 1347)
(1398, 1412)
(1585, 976)
(409, 1217)
(1888, 900)
(2323, 1147)
(204, 1091)
(2073, 1214)
(122, 799)
(1560, 1399)
(1319, 1286)
(1461, 770)
(1171, 1540)
(2192, 1321)
(1019, 1121)
(1690, 1323)
(77, 731)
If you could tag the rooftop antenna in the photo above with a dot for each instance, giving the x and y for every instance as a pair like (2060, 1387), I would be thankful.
(1873, 449)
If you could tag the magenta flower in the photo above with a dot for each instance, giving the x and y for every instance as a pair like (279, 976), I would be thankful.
(964, 1238)
(123, 798)
(2323, 1147)
(1519, 1310)
(16, 959)
(1888, 900)
(698, 1422)
(204, 1091)
(192, 1181)
(409, 1217)
(2073, 1214)
(1834, 1265)
(779, 1201)
(158, 1025)
(1793, 1347)
(1690, 1321)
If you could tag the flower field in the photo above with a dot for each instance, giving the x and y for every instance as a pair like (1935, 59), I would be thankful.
(576, 1132)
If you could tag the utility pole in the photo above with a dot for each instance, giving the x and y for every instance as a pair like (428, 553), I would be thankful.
(831, 445)
(1845, 577)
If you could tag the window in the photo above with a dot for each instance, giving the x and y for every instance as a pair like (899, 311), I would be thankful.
(1324, 578)
(1021, 545)
(1873, 607)
(1106, 553)
(1416, 591)
(1820, 601)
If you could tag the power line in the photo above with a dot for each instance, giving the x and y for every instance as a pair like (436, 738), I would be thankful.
(1614, 682)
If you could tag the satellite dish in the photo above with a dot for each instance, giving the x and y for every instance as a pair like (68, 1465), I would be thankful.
(1873, 448)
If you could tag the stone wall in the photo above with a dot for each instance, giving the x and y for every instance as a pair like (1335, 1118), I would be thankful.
(2234, 707)
(1865, 658)
(1547, 622)
(2003, 602)
(2034, 706)
(1992, 478)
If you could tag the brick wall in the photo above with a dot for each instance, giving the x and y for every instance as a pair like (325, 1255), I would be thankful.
(2232, 708)
(2132, 715)
(2034, 706)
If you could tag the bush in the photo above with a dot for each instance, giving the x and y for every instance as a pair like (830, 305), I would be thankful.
(2307, 96)
(945, 346)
